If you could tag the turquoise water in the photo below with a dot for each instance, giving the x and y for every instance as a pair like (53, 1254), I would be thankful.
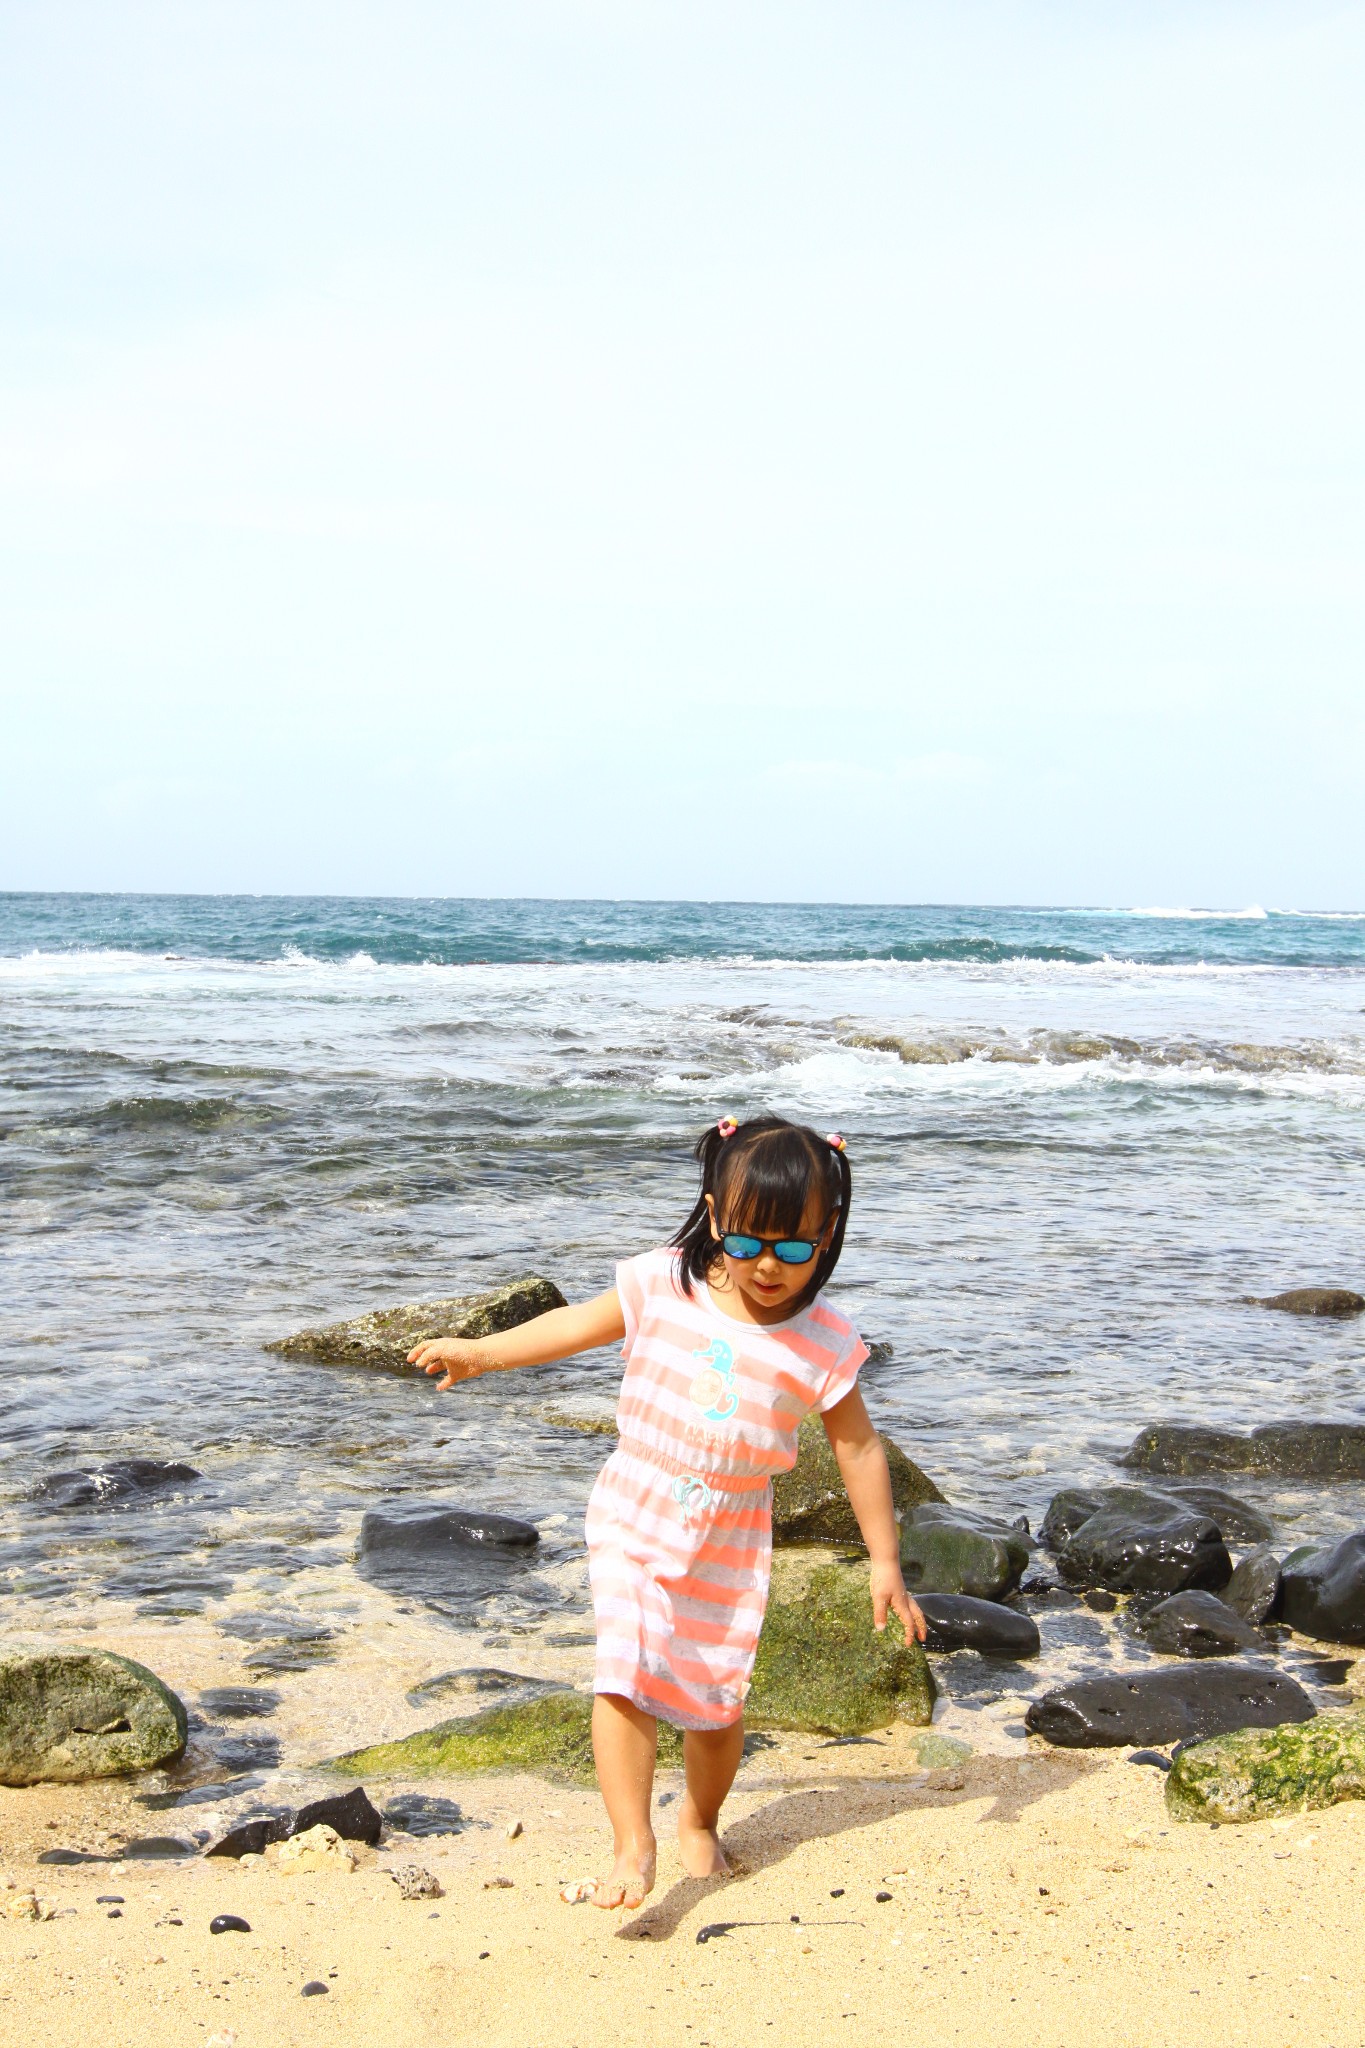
(1079, 1139)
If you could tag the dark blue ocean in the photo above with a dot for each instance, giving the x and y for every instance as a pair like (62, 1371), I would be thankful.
(1080, 1140)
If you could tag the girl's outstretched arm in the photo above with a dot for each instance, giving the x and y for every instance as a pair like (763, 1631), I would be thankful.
(557, 1334)
(863, 1469)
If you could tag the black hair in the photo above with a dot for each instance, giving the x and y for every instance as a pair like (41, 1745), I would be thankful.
(761, 1177)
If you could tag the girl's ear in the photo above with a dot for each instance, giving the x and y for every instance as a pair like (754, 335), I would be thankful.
(711, 1212)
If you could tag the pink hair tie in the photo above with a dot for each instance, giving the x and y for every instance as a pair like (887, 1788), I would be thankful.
(835, 1142)
(727, 1126)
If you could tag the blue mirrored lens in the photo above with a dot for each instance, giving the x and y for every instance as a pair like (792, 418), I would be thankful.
(737, 1247)
(795, 1251)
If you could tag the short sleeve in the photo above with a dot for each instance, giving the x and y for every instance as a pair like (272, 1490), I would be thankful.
(843, 1374)
(630, 1288)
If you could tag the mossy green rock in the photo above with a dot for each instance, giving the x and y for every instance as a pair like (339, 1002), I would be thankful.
(810, 1504)
(1263, 1771)
(551, 1736)
(68, 1715)
(821, 1665)
(386, 1336)
(949, 1550)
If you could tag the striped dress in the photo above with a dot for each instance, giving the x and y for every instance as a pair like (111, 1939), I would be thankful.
(680, 1520)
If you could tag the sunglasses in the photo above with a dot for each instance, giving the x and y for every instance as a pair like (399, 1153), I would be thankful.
(792, 1251)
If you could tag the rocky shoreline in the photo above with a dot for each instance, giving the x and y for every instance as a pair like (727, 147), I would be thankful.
(1189, 1577)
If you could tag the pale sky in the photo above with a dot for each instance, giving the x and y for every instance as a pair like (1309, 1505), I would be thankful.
(879, 451)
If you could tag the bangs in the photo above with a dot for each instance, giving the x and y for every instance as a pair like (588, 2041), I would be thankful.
(770, 1183)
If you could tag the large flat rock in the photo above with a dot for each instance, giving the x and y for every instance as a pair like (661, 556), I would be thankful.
(1133, 1708)
(385, 1336)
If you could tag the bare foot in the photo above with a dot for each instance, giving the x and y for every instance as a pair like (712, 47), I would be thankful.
(701, 1853)
(631, 1880)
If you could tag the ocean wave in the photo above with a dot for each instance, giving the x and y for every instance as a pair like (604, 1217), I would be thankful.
(1252, 914)
(1090, 1048)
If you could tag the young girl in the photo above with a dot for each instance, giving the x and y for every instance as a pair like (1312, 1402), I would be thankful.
(729, 1344)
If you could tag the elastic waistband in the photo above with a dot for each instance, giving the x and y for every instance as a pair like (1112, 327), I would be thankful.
(678, 1468)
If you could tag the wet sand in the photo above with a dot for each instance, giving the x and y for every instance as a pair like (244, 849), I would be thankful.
(1044, 1899)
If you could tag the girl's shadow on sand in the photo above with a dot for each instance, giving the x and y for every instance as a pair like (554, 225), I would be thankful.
(769, 1836)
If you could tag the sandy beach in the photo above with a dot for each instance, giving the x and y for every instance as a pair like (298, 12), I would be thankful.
(1048, 1900)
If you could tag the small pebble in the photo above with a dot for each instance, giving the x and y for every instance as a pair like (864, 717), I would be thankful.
(484, 1954)
(1043, 1892)
(229, 1923)
(315, 1988)
(838, 1892)
(796, 1919)
(109, 1899)
(513, 1830)
(498, 1884)
(114, 1913)
(883, 1898)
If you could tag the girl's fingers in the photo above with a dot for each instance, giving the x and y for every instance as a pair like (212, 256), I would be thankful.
(911, 1620)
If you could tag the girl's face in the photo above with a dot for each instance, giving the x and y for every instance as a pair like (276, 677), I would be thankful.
(767, 1286)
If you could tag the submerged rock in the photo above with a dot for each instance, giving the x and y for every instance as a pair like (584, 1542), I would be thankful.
(421, 1529)
(477, 1680)
(810, 1504)
(1288, 1450)
(67, 1715)
(119, 1479)
(822, 1666)
(1196, 1625)
(957, 1622)
(1322, 1591)
(384, 1337)
(1138, 1708)
(1253, 1591)
(1161, 1546)
(951, 1550)
(551, 1736)
(239, 1702)
(350, 1813)
(1253, 1774)
(1314, 1301)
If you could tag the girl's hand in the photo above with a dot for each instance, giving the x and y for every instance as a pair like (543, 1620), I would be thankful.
(459, 1358)
(889, 1595)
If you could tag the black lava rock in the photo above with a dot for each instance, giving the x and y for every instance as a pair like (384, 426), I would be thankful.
(1315, 1301)
(315, 1988)
(1196, 1625)
(156, 1849)
(1160, 1548)
(1135, 1709)
(252, 1837)
(1152, 1757)
(1253, 1591)
(229, 1923)
(350, 1813)
(1237, 1521)
(103, 1485)
(957, 1622)
(1322, 1591)
(1290, 1450)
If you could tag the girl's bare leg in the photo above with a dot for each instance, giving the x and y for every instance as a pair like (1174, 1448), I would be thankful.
(710, 1760)
(623, 1742)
